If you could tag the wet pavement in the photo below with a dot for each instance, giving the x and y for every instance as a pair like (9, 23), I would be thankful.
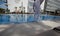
(27, 29)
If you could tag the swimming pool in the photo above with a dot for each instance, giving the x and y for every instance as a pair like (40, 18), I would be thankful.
(20, 18)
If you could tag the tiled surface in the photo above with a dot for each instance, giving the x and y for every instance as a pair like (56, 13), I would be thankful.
(25, 29)
(4, 27)
(54, 23)
(49, 33)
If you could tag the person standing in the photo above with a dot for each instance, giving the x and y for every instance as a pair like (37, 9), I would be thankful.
(36, 8)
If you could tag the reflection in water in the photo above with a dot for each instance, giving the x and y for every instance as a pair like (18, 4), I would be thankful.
(19, 18)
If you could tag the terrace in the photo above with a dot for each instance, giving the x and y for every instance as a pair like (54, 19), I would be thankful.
(24, 24)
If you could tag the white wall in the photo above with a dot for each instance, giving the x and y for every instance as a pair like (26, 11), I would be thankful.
(12, 4)
(30, 6)
(25, 4)
(42, 5)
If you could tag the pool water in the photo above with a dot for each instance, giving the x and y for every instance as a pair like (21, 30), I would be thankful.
(20, 18)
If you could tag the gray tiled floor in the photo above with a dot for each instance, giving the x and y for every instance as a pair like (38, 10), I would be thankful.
(25, 29)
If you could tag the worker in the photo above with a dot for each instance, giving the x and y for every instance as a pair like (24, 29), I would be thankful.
(36, 8)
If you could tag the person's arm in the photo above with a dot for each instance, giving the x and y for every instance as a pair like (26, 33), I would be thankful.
(41, 1)
(33, 6)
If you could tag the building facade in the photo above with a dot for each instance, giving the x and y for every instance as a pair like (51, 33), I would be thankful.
(17, 3)
(53, 5)
(28, 4)
(3, 4)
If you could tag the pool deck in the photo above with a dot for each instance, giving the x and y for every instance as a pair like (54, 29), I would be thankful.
(29, 29)
(3, 27)
(52, 24)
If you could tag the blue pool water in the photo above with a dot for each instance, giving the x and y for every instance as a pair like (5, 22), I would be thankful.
(19, 18)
